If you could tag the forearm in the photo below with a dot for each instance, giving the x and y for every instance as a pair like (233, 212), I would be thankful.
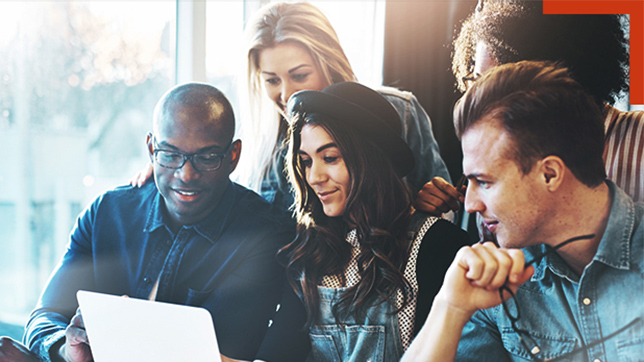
(45, 333)
(439, 337)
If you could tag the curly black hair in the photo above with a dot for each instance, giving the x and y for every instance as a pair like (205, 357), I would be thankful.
(593, 47)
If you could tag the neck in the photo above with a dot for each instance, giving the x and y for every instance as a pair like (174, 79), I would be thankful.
(582, 211)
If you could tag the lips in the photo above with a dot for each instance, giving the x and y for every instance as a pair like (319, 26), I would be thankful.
(325, 195)
(490, 225)
(186, 195)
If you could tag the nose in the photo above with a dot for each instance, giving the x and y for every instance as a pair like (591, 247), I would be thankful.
(288, 89)
(316, 174)
(187, 172)
(473, 202)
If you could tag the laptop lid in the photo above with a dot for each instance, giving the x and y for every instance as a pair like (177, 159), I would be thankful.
(129, 329)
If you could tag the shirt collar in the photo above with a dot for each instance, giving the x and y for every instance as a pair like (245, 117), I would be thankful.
(210, 227)
(614, 246)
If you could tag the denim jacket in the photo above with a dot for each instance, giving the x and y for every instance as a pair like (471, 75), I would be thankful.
(122, 244)
(562, 311)
(416, 131)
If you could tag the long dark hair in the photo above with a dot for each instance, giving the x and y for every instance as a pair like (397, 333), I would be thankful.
(378, 207)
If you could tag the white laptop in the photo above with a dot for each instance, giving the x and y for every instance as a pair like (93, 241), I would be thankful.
(128, 329)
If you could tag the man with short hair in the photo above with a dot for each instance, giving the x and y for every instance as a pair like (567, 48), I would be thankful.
(532, 144)
(192, 237)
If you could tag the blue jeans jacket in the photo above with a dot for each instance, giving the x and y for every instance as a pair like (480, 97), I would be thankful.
(225, 263)
(416, 131)
(562, 311)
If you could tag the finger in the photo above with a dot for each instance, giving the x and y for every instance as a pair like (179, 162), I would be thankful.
(77, 320)
(518, 266)
(446, 193)
(488, 265)
(434, 197)
(447, 188)
(75, 335)
(471, 262)
(141, 180)
(504, 267)
(432, 204)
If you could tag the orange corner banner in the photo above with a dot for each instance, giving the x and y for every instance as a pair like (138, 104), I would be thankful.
(635, 8)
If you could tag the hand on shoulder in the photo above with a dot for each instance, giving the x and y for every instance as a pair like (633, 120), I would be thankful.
(438, 196)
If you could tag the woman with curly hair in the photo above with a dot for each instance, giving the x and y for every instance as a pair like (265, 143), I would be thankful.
(595, 50)
(365, 265)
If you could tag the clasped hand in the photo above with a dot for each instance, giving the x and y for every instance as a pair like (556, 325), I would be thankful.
(476, 274)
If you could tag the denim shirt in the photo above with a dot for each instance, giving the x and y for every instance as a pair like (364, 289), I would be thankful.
(122, 244)
(562, 311)
(416, 131)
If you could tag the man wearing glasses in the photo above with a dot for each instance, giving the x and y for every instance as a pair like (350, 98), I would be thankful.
(532, 152)
(192, 237)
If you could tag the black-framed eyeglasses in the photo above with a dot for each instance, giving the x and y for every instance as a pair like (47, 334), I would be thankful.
(511, 310)
(205, 161)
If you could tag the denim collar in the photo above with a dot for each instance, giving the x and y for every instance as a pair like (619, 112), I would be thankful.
(614, 247)
(210, 227)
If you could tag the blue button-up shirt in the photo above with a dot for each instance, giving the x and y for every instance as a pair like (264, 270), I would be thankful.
(122, 244)
(562, 311)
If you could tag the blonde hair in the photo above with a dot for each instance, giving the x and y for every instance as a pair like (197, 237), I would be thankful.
(265, 129)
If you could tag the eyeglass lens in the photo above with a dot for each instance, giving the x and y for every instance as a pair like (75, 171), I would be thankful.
(201, 162)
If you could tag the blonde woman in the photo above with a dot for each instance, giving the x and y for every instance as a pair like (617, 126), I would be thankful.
(293, 47)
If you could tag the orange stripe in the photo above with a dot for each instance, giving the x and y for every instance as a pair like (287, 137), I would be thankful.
(636, 10)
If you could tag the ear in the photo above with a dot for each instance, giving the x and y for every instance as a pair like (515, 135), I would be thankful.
(552, 169)
(235, 153)
(150, 145)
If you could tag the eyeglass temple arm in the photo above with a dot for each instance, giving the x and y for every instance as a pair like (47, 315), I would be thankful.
(558, 246)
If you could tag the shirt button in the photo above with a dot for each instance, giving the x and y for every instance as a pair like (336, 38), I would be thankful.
(146, 280)
(586, 301)
(597, 360)
(535, 350)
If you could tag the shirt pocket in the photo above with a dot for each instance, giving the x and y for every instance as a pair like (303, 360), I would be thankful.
(630, 350)
(549, 346)
(333, 343)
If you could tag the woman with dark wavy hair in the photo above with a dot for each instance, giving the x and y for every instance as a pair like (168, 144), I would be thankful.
(365, 265)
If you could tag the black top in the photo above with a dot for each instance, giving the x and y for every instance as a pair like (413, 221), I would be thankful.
(286, 340)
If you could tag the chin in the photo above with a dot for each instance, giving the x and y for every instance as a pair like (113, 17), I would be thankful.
(332, 211)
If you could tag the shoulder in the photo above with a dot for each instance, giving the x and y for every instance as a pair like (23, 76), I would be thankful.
(441, 239)
(445, 230)
(395, 94)
(125, 197)
(403, 101)
(613, 116)
(252, 209)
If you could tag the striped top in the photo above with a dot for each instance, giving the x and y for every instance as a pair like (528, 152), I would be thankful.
(624, 150)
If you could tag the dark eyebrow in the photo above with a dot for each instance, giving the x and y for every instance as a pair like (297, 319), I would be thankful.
(213, 148)
(320, 149)
(324, 147)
